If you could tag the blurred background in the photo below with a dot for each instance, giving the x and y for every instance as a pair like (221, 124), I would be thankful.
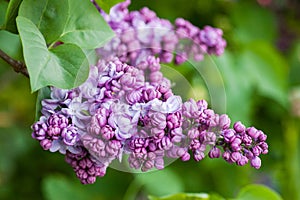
(260, 72)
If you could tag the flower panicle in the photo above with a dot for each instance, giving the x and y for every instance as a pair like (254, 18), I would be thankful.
(126, 108)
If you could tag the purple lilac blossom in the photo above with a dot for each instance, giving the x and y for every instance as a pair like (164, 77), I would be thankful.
(131, 110)
(142, 33)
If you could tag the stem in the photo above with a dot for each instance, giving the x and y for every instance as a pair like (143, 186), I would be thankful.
(18, 66)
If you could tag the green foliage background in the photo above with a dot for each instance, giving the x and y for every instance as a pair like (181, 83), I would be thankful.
(260, 71)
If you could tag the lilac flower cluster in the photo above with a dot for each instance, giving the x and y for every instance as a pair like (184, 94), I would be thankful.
(128, 113)
(140, 34)
(125, 110)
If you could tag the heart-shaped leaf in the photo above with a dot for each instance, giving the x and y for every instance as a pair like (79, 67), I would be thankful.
(64, 66)
(69, 21)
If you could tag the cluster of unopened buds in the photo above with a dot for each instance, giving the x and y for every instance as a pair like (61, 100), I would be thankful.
(126, 110)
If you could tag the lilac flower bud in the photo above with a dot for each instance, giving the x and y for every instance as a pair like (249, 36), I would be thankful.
(202, 105)
(239, 127)
(153, 63)
(214, 153)
(158, 120)
(264, 147)
(190, 109)
(70, 135)
(247, 140)
(226, 156)
(185, 157)
(235, 144)
(134, 96)
(224, 122)
(159, 163)
(262, 137)
(249, 154)
(164, 86)
(253, 132)
(150, 94)
(235, 156)
(176, 135)
(193, 133)
(164, 143)
(174, 120)
(243, 161)
(228, 135)
(198, 155)
(156, 77)
(255, 162)
(46, 144)
(39, 129)
(107, 132)
(256, 150)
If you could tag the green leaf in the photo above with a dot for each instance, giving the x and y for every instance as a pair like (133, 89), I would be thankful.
(3, 7)
(11, 14)
(58, 187)
(69, 21)
(49, 16)
(161, 182)
(85, 26)
(183, 196)
(43, 93)
(252, 22)
(107, 4)
(64, 66)
(257, 192)
(267, 70)
(11, 44)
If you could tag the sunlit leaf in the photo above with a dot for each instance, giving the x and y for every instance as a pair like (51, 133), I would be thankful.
(257, 192)
(183, 196)
(69, 21)
(64, 66)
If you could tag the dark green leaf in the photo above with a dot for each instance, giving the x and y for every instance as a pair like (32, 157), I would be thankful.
(11, 44)
(58, 187)
(160, 182)
(267, 70)
(85, 26)
(50, 16)
(3, 7)
(64, 66)
(11, 14)
(107, 4)
(43, 93)
(257, 192)
(253, 22)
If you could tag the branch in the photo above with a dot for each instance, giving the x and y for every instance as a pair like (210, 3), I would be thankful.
(18, 66)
